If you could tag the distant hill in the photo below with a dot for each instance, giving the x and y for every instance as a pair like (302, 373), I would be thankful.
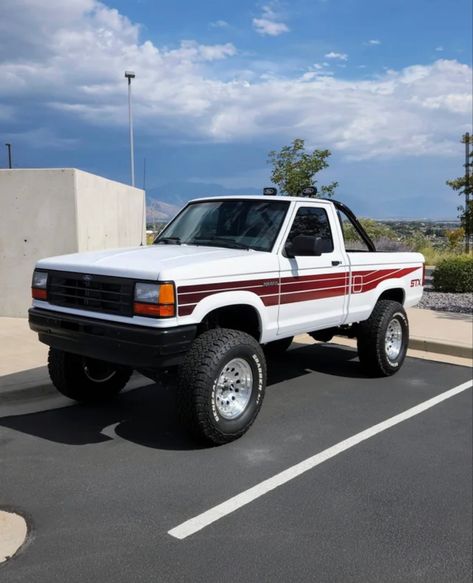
(164, 201)
(159, 212)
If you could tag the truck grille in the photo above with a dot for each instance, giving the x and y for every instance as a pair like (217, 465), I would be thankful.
(96, 293)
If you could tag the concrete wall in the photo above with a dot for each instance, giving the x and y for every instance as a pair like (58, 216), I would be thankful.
(49, 212)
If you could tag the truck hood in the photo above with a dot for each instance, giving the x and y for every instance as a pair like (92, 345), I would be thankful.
(156, 262)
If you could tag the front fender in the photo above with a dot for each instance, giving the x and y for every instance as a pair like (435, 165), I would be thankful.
(225, 299)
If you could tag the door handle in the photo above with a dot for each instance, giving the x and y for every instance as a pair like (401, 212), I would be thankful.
(335, 263)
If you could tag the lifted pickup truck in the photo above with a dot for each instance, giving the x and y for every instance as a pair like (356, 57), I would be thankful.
(228, 282)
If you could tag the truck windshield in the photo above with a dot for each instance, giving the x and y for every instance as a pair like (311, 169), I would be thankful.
(237, 224)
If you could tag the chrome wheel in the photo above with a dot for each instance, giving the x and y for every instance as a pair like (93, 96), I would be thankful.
(98, 372)
(393, 339)
(233, 389)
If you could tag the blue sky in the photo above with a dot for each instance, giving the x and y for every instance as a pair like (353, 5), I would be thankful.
(386, 86)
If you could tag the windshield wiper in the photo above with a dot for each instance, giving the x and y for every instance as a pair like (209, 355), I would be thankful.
(223, 242)
(168, 241)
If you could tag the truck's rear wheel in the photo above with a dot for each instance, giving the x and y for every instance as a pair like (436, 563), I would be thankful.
(221, 385)
(85, 379)
(383, 339)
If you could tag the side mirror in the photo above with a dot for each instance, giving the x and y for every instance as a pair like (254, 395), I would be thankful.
(305, 245)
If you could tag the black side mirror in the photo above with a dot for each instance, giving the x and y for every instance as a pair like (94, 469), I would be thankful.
(305, 245)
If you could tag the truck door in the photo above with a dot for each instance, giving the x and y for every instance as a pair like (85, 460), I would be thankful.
(313, 287)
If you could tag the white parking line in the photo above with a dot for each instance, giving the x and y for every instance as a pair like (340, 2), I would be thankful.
(202, 520)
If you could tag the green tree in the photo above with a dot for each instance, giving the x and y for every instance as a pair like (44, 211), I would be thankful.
(295, 168)
(374, 229)
(464, 186)
(455, 238)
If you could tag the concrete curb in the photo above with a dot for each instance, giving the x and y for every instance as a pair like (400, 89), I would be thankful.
(459, 350)
(13, 533)
(422, 344)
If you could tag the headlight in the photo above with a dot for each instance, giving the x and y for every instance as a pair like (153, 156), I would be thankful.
(40, 279)
(39, 285)
(147, 292)
(156, 300)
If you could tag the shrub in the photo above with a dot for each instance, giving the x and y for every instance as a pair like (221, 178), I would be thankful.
(454, 274)
(434, 255)
(387, 244)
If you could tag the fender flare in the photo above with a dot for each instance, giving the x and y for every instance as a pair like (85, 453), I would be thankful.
(231, 298)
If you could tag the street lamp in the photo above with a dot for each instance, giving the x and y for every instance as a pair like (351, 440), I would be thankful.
(9, 155)
(130, 75)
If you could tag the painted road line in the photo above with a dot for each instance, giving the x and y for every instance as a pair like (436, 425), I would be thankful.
(202, 520)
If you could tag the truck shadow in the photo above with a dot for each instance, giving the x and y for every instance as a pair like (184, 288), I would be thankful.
(148, 415)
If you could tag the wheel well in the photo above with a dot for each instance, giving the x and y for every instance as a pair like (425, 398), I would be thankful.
(239, 317)
(396, 295)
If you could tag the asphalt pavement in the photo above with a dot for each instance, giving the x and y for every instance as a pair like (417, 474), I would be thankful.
(101, 487)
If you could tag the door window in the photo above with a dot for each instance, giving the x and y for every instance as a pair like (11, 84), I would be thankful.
(312, 221)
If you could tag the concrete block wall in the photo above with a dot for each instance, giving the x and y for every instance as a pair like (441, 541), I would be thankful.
(47, 212)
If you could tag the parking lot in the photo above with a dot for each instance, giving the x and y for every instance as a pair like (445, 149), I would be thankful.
(102, 487)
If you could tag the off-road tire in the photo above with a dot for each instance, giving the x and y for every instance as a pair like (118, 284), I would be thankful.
(68, 374)
(277, 347)
(371, 339)
(198, 378)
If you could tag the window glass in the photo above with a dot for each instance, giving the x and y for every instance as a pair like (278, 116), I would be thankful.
(353, 240)
(312, 221)
(239, 224)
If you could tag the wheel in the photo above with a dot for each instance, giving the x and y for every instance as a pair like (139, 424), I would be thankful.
(85, 379)
(277, 346)
(383, 339)
(221, 385)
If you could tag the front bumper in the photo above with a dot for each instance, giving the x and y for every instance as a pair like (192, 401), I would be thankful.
(125, 344)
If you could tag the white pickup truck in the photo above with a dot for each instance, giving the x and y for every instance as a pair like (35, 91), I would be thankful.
(228, 282)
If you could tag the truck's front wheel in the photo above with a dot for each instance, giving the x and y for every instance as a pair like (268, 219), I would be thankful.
(86, 380)
(221, 385)
(383, 339)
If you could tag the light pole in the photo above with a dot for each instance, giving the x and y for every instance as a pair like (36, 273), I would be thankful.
(130, 75)
(9, 155)
(467, 192)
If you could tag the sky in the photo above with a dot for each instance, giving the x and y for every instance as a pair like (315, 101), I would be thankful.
(384, 85)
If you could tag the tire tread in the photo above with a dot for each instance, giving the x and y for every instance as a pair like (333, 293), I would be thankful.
(196, 374)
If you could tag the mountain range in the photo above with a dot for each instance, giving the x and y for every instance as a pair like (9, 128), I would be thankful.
(164, 201)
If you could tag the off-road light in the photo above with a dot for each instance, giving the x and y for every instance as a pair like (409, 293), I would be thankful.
(39, 285)
(270, 191)
(309, 191)
(156, 300)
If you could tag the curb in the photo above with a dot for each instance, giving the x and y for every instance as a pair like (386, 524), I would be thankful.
(423, 344)
(459, 350)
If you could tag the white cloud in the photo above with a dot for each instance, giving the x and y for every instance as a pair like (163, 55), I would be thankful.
(190, 50)
(337, 56)
(74, 63)
(439, 49)
(374, 42)
(219, 24)
(270, 23)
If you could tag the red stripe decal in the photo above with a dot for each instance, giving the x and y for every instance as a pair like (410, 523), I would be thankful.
(312, 295)
(293, 289)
